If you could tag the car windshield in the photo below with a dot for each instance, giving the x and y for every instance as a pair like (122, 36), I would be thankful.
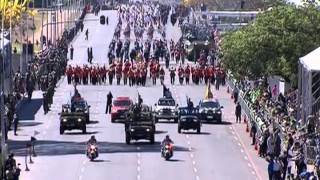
(121, 103)
(166, 102)
(210, 104)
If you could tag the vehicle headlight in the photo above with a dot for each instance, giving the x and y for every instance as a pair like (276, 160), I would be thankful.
(64, 120)
(131, 130)
(86, 111)
(79, 120)
(183, 120)
(219, 112)
(195, 120)
(148, 130)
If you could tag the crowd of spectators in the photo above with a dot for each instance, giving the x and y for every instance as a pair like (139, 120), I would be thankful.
(287, 143)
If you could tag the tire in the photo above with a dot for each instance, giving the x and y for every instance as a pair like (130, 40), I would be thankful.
(88, 119)
(113, 120)
(128, 139)
(175, 120)
(84, 130)
(152, 139)
(179, 129)
(61, 130)
(198, 130)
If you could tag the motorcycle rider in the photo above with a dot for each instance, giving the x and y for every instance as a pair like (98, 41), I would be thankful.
(165, 142)
(92, 141)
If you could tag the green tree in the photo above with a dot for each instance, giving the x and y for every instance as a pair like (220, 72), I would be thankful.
(273, 43)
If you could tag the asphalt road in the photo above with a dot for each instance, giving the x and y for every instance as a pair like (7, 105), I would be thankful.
(215, 154)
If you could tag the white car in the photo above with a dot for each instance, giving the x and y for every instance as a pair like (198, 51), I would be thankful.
(166, 108)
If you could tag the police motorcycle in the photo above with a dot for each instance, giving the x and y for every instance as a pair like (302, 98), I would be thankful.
(167, 151)
(92, 151)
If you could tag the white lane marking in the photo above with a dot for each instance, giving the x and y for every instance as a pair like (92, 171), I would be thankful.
(232, 132)
(239, 144)
(195, 170)
(197, 178)
(80, 177)
(242, 150)
(253, 172)
(249, 165)
(187, 136)
(139, 162)
(191, 155)
(230, 127)
(235, 138)
(193, 162)
(139, 155)
(245, 157)
(188, 142)
(138, 176)
(138, 168)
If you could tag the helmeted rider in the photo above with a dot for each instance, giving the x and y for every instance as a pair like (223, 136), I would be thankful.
(92, 140)
(166, 140)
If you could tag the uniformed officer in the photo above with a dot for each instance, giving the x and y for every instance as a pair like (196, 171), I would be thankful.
(172, 75)
(45, 103)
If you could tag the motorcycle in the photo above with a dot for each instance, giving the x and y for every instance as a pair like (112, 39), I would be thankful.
(92, 152)
(167, 151)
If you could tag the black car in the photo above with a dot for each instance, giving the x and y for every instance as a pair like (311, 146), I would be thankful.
(188, 119)
(210, 111)
(71, 120)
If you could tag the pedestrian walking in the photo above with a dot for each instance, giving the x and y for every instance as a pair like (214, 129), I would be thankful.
(91, 55)
(45, 103)
(235, 95)
(253, 133)
(71, 52)
(107, 20)
(238, 113)
(109, 102)
(87, 34)
(270, 168)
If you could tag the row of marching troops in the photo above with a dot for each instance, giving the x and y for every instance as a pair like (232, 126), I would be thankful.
(137, 74)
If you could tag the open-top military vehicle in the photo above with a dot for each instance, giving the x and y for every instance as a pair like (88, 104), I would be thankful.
(140, 123)
(72, 120)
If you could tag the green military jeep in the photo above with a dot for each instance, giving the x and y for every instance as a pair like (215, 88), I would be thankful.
(72, 120)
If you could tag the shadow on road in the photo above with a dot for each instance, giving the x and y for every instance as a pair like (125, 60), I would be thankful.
(29, 109)
(175, 160)
(59, 148)
(80, 133)
(223, 123)
(195, 133)
(161, 132)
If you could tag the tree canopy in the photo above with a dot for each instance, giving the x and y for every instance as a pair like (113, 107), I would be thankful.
(13, 10)
(273, 43)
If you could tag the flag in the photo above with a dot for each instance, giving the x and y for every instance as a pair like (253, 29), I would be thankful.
(208, 94)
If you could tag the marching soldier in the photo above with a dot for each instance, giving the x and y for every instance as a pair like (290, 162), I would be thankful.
(180, 74)
(118, 73)
(206, 75)
(187, 74)
(131, 76)
(162, 73)
(153, 75)
(111, 74)
(69, 73)
(172, 75)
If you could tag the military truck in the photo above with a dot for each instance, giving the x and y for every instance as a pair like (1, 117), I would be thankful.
(72, 120)
(139, 123)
